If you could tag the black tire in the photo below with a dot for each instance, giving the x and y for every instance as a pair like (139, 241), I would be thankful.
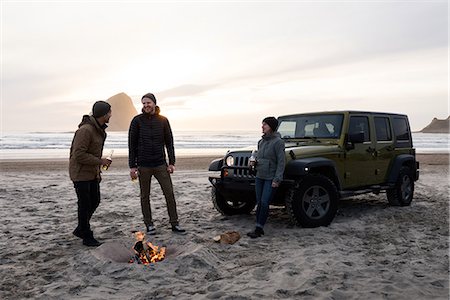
(230, 207)
(313, 201)
(403, 192)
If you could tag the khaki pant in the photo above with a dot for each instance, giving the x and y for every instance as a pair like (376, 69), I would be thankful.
(163, 177)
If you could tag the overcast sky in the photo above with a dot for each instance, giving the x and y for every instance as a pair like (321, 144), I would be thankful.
(222, 65)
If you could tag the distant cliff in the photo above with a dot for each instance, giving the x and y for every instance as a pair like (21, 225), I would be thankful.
(123, 111)
(437, 126)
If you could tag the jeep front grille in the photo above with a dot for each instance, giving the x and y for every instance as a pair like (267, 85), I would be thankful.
(240, 168)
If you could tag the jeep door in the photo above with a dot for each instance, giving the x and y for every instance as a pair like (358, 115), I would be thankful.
(384, 149)
(360, 160)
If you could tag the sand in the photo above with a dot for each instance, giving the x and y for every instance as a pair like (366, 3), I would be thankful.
(370, 251)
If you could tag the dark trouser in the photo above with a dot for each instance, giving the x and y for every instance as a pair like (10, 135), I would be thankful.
(264, 193)
(88, 193)
(163, 177)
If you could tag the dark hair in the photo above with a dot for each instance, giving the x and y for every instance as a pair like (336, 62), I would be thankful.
(100, 108)
(149, 96)
(272, 122)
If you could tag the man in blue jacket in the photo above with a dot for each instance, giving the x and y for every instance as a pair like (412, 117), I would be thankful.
(148, 136)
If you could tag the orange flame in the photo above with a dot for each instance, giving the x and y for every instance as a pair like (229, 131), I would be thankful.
(149, 254)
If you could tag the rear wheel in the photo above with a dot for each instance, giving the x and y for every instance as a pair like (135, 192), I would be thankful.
(312, 202)
(232, 206)
(403, 191)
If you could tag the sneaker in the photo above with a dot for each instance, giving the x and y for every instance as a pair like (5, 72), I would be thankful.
(77, 232)
(258, 232)
(91, 242)
(151, 230)
(177, 228)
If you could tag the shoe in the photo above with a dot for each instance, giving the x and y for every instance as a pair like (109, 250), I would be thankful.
(151, 230)
(91, 242)
(258, 232)
(178, 229)
(77, 232)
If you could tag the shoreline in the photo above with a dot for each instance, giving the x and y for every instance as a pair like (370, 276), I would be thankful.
(183, 163)
(193, 162)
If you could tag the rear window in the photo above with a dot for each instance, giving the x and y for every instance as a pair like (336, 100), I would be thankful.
(402, 133)
(383, 129)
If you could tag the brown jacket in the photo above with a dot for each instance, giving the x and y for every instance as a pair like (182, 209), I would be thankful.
(86, 150)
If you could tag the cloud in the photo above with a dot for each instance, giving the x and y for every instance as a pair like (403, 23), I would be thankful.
(186, 90)
(268, 57)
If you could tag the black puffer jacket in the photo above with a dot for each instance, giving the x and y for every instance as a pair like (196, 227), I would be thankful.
(147, 136)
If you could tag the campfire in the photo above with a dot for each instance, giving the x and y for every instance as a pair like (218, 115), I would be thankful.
(145, 252)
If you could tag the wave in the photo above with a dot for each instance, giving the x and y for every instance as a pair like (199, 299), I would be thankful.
(182, 140)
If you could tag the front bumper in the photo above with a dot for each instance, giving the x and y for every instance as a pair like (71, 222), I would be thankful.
(226, 185)
(233, 179)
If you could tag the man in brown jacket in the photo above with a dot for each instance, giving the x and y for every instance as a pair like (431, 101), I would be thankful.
(84, 167)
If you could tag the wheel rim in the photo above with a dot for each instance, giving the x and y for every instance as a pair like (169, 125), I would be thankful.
(235, 204)
(316, 202)
(406, 187)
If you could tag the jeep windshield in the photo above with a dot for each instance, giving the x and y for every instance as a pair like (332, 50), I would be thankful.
(314, 126)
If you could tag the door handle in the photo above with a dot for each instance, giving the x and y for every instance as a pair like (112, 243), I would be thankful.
(370, 150)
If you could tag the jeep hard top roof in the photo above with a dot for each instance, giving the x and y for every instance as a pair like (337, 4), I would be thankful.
(344, 112)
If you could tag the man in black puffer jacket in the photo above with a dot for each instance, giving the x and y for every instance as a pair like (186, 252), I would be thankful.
(148, 136)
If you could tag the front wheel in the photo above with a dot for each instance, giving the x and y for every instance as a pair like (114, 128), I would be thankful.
(235, 206)
(312, 202)
(403, 191)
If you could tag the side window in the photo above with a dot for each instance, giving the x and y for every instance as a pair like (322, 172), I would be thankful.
(359, 124)
(401, 131)
(383, 129)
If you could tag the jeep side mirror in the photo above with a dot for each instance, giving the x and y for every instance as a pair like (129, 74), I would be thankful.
(356, 138)
(352, 139)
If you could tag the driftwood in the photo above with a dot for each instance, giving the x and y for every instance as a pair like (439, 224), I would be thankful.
(228, 237)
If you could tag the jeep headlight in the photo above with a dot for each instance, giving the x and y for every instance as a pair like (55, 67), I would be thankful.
(229, 160)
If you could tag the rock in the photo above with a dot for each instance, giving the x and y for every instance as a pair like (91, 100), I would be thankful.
(123, 112)
(437, 126)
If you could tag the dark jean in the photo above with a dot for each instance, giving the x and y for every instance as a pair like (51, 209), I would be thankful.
(264, 193)
(163, 177)
(88, 193)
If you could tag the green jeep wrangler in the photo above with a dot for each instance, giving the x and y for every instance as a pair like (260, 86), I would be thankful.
(329, 156)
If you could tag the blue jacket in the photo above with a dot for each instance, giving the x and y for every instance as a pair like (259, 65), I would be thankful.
(270, 158)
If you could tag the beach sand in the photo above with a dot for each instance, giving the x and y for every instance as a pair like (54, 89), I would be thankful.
(370, 251)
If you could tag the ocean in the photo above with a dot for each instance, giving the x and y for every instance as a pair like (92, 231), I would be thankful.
(37, 145)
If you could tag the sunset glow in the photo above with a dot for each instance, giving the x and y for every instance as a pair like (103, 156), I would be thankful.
(220, 65)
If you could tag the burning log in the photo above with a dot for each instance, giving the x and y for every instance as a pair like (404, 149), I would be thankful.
(145, 252)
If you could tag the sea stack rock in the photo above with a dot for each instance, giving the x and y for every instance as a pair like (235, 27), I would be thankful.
(437, 126)
(123, 112)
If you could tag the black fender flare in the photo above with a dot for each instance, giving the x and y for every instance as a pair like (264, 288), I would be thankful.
(216, 165)
(400, 161)
(304, 166)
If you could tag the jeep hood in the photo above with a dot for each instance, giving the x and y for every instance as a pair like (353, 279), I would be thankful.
(308, 149)
(302, 149)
